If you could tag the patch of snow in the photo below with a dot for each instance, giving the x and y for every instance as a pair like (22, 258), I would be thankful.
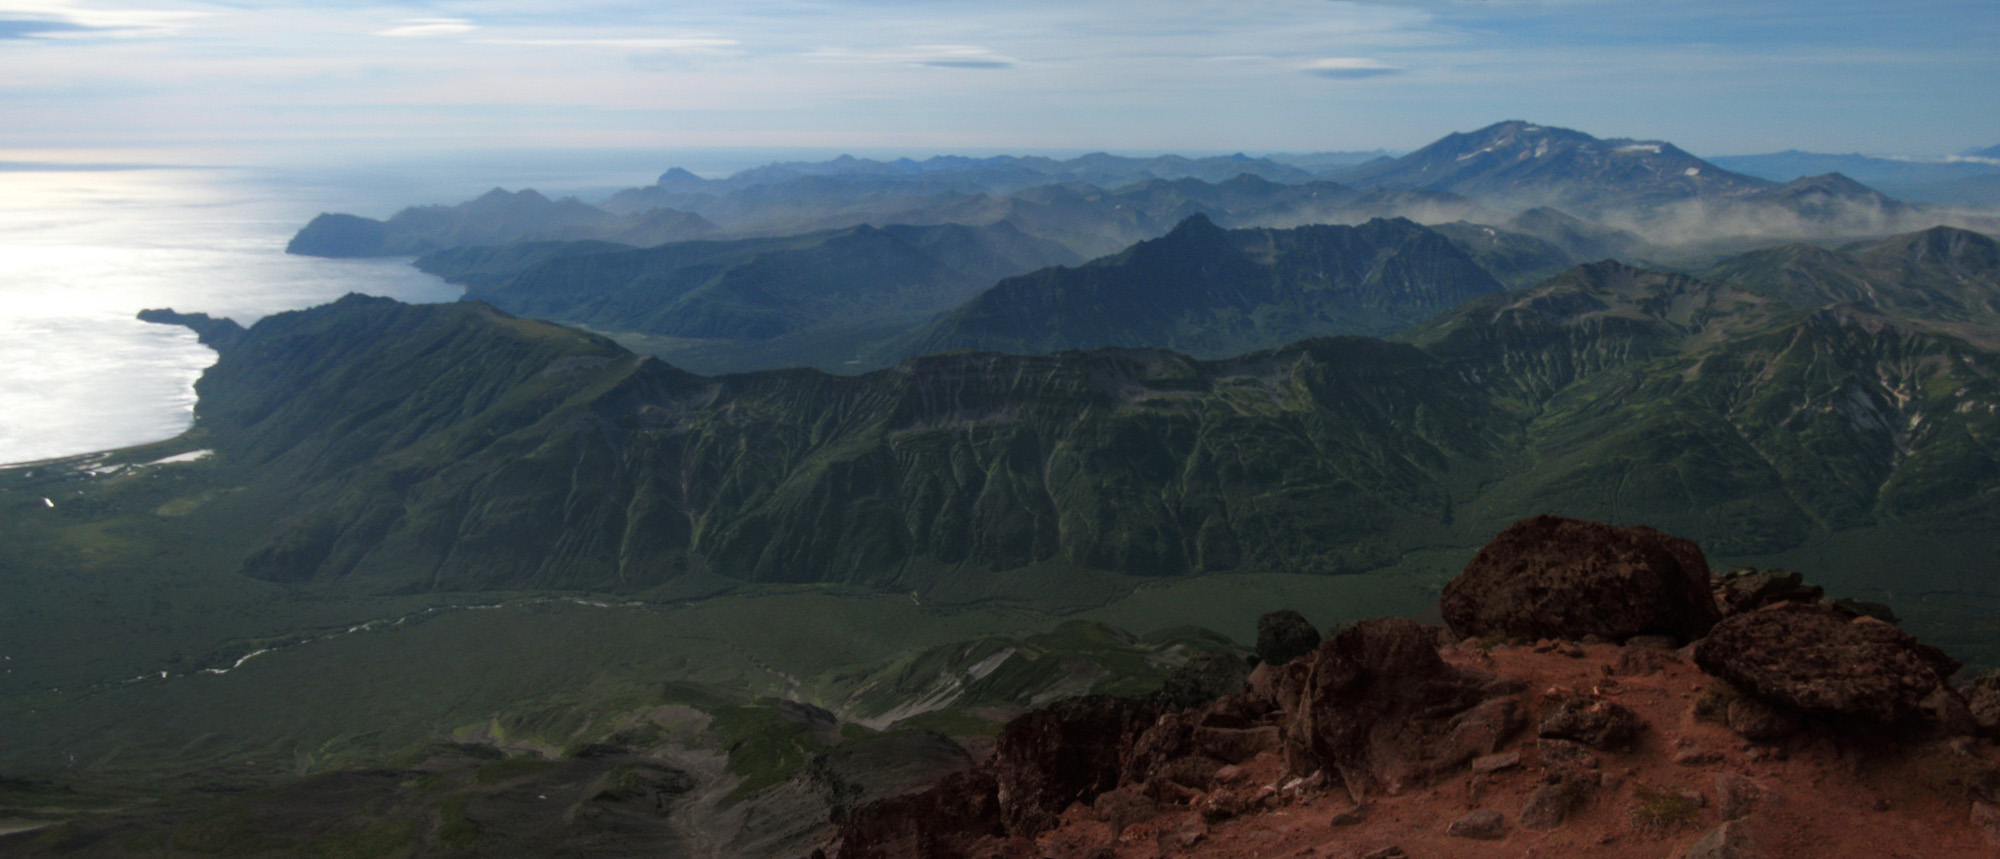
(190, 456)
(239, 663)
(1692, 171)
(48, 502)
(1640, 147)
(985, 666)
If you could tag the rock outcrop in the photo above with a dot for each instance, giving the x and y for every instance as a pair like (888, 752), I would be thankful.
(1283, 636)
(1819, 661)
(1380, 708)
(1380, 743)
(1550, 577)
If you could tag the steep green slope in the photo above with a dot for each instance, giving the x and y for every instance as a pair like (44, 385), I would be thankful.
(1943, 279)
(1212, 292)
(577, 466)
(416, 449)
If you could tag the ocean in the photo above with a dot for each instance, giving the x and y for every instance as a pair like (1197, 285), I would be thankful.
(84, 248)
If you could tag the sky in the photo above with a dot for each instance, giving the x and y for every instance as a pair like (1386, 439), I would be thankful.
(271, 81)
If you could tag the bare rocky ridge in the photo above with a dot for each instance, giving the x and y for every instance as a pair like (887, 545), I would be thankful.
(1397, 739)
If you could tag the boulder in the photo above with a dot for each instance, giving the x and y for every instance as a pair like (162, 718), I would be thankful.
(1757, 720)
(1484, 824)
(1551, 804)
(1982, 698)
(1550, 577)
(1067, 752)
(1283, 636)
(1204, 678)
(1737, 796)
(1381, 705)
(1593, 721)
(1818, 661)
(1731, 840)
(1748, 589)
(1124, 807)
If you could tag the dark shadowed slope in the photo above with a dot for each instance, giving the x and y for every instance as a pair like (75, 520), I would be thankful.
(1212, 292)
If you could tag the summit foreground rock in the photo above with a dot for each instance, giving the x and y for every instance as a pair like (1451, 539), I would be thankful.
(1381, 743)
(1550, 577)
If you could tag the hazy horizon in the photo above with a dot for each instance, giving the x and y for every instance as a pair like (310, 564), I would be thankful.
(290, 83)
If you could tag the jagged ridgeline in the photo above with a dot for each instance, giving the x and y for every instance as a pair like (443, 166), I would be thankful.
(455, 447)
(398, 448)
(1212, 292)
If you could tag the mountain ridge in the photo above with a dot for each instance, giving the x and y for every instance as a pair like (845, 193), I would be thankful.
(1755, 417)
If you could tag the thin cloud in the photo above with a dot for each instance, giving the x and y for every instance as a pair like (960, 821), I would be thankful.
(63, 20)
(1349, 68)
(928, 56)
(421, 28)
(32, 29)
(683, 43)
(961, 57)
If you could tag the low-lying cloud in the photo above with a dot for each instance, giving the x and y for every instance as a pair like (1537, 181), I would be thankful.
(1349, 68)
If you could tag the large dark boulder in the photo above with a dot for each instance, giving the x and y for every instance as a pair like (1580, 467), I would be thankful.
(1822, 662)
(1982, 697)
(1550, 577)
(1749, 589)
(1067, 752)
(1204, 678)
(1381, 706)
(1071, 751)
(1283, 636)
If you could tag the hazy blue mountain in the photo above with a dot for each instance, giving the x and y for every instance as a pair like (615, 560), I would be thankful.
(1580, 239)
(496, 217)
(1515, 259)
(1322, 163)
(1090, 219)
(1523, 164)
(1212, 292)
(749, 289)
(997, 174)
(1918, 181)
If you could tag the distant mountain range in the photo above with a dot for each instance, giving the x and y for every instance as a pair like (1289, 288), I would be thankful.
(496, 217)
(1212, 293)
(750, 288)
(1100, 204)
(861, 298)
(1941, 181)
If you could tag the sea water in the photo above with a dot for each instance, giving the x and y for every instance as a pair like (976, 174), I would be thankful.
(82, 251)
(84, 248)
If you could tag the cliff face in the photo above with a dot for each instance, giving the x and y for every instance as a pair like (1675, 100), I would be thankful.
(1396, 739)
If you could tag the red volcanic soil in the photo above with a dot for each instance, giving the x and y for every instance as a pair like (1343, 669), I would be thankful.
(1818, 794)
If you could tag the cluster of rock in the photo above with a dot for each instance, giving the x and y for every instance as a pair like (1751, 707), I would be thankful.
(1375, 710)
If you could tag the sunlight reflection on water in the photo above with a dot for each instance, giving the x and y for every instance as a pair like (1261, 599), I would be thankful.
(82, 252)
